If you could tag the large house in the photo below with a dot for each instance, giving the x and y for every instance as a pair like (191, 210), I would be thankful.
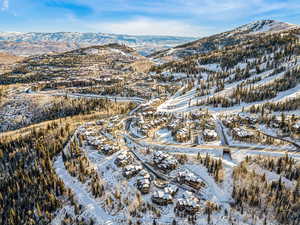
(171, 189)
(240, 133)
(182, 135)
(164, 161)
(124, 159)
(144, 182)
(131, 170)
(188, 178)
(108, 149)
(162, 198)
(210, 135)
(188, 203)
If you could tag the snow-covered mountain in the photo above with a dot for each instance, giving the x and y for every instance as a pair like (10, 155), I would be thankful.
(228, 38)
(257, 63)
(102, 135)
(261, 26)
(39, 43)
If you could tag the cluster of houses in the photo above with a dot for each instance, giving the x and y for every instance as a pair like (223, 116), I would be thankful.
(287, 128)
(240, 119)
(162, 198)
(146, 125)
(125, 160)
(243, 127)
(231, 122)
(164, 161)
(196, 115)
(164, 192)
(188, 203)
(185, 130)
(177, 121)
(246, 118)
(93, 138)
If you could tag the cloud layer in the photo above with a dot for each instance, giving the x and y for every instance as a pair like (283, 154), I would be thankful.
(147, 26)
(5, 5)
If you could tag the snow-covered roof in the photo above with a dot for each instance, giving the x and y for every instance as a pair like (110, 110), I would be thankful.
(163, 160)
(242, 132)
(162, 195)
(189, 200)
(171, 189)
(133, 168)
(182, 131)
(189, 176)
(123, 158)
(210, 133)
(297, 125)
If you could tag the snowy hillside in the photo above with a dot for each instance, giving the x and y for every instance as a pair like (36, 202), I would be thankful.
(220, 41)
(259, 66)
(206, 133)
(263, 26)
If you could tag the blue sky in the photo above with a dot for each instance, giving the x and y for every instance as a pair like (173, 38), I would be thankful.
(142, 17)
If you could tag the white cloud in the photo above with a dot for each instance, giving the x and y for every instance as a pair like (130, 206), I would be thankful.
(236, 9)
(146, 26)
(208, 9)
(4, 5)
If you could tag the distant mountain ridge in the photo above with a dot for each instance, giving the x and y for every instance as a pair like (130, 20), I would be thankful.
(86, 37)
(39, 43)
